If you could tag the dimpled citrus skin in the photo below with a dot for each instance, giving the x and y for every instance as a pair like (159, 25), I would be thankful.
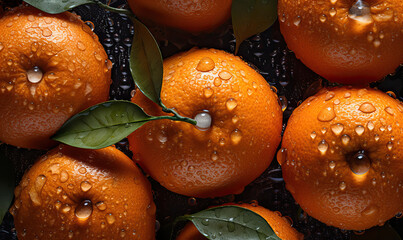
(50, 194)
(189, 15)
(239, 145)
(321, 139)
(341, 48)
(280, 226)
(76, 74)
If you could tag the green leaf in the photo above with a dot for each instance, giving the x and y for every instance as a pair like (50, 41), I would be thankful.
(146, 62)
(250, 17)
(102, 125)
(231, 222)
(6, 184)
(57, 6)
(376, 233)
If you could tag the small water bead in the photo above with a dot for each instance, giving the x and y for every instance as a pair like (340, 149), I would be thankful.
(81, 46)
(377, 43)
(332, 165)
(345, 139)
(370, 210)
(283, 102)
(376, 137)
(35, 75)
(101, 206)
(214, 156)
(231, 104)
(203, 120)
(323, 18)
(66, 208)
(342, 186)
(359, 130)
(370, 125)
(192, 201)
(217, 82)
(323, 146)
(332, 12)
(208, 92)
(206, 64)
(367, 108)
(236, 136)
(359, 163)
(84, 210)
(110, 219)
(337, 129)
(329, 96)
(85, 186)
(224, 75)
(297, 21)
(313, 135)
(282, 156)
(389, 145)
(327, 114)
(360, 11)
(390, 111)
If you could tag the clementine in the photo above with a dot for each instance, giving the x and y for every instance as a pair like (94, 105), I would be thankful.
(280, 226)
(51, 67)
(74, 193)
(188, 15)
(344, 41)
(342, 158)
(238, 131)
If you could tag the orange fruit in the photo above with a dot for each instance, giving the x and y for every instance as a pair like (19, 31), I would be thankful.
(73, 193)
(344, 41)
(51, 67)
(246, 121)
(189, 15)
(280, 226)
(342, 157)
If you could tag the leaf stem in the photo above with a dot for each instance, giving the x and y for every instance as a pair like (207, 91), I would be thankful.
(115, 10)
(177, 117)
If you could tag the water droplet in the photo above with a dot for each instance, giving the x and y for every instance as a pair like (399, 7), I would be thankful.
(342, 186)
(85, 186)
(376, 136)
(203, 120)
(367, 108)
(34, 75)
(214, 156)
(389, 145)
(192, 201)
(370, 210)
(377, 43)
(282, 156)
(297, 21)
(231, 226)
(345, 139)
(235, 119)
(224, 75)
(370, 125)
(217, 82)
(208, 92)
(81, 46)
(337, 128)
(359, 130)
(71, 234)
(231, 104)
(360, 11)
(327, 114)
(66, 208)
(110, 219)
(390, 111)
(84, 210)
(329, 96)
(323, 18)
(64, 176)
(205, 222)
(35, 192)
(236, 136)
(206, 64)
(323, 146)
(313, 135)
(332, 165)
(359, 163)
(332, 12)
(122, 233)
(46, 32)
(101, 206)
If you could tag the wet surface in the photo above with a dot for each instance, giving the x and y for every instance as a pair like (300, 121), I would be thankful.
(266, 52)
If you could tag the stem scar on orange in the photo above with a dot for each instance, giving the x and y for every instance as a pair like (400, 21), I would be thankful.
(238, 130)
(342, 157)
(51, 67)
(345, 41)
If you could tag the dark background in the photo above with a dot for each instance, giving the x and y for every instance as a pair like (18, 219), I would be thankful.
(268, 53)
